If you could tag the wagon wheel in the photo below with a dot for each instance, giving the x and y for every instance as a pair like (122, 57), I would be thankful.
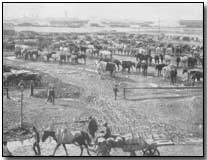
(151, 152)
(156, 152)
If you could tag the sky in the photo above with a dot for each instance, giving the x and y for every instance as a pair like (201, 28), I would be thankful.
(118, 11)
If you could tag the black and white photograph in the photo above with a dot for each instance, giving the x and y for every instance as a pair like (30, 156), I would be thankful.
(103, 79)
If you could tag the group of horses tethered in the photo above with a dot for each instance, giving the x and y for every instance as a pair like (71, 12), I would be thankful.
(143, 62)
(106, 63)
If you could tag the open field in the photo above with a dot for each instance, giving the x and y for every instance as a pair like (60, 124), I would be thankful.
(177, 119)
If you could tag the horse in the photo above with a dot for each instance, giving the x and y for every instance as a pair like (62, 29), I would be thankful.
(64, 136)
(144, 67)
(49, 55)
(161, 58)
(82, 56)
(178, 61)
(117, 62)
(184, 60)
(193, 73)
(173, 75)
(159, 68)
(105, 66)
(128, 65)
(191, 62)
(157, 59)
(166, 71)
(138, 66)
(63, 58)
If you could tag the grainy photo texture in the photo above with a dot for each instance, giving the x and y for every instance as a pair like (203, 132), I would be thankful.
(102, 79)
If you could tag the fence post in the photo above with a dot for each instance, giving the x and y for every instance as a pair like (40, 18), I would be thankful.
(124, 93)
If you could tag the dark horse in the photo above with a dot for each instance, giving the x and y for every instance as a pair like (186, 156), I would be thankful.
(82, 56)
(159, 68)
(178, 61)
(144, 68)
(128, 65)
(117, 62)
(173, 76)
(81, 139)
(63, 58)
(157, 60)
(49, 55)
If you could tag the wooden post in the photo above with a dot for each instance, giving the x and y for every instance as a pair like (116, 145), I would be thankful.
(124, 93)
(21, 114)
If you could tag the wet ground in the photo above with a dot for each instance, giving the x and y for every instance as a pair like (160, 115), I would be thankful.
(176, 118)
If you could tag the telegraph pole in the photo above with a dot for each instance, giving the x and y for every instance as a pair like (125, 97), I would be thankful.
(21, 114)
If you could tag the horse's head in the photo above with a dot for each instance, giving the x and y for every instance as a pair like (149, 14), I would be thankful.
(86, 137)
(47, 134)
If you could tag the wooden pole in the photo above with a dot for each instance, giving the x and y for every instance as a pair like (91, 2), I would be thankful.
(124, 93)
(21, 114)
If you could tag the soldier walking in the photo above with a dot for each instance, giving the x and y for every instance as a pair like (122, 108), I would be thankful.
(116, 90)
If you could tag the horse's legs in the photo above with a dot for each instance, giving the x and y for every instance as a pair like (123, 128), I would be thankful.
(64, 146)
(81, 147)
(55, 149)
(87, 149)
(34, 149)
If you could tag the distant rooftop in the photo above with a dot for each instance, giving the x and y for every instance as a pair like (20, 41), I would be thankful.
(191, 23)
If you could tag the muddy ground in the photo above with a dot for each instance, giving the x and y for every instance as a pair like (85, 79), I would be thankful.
(82, 93)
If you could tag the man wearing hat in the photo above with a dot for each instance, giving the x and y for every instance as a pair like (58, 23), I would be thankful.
(107, 131)
(116, 90)
(51, 94)
(92, 126)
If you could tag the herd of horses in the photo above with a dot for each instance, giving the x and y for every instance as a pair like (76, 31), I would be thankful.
(106, 63)
(75, 48)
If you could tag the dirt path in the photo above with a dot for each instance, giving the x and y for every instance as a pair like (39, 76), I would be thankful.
(143, 118)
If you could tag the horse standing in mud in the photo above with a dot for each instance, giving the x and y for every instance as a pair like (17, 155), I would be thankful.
(159, 68)
(104, 67)
(127, 65)
(64, 136)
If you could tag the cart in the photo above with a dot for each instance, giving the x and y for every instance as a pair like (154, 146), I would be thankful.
(131, 145)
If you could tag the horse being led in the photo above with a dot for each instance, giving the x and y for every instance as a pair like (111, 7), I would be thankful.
(64, 136)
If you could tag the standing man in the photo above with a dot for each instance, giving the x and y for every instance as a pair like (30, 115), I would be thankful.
(22, 84)
(36, 136)
(107, 131)
(51, 94)
(116, 90)
(32, 84)
(92, 126)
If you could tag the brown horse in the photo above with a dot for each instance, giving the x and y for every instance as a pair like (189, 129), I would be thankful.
(64, 136)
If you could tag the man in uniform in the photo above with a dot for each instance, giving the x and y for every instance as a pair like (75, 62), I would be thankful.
(107, 131)
(92, 126)
(32, 84)
(116, 90)
(51, 94)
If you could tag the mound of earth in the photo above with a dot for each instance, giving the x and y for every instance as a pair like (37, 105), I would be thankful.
(62, 90)
(18, 133)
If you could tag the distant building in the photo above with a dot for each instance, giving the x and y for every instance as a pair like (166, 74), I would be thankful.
(191, 23)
